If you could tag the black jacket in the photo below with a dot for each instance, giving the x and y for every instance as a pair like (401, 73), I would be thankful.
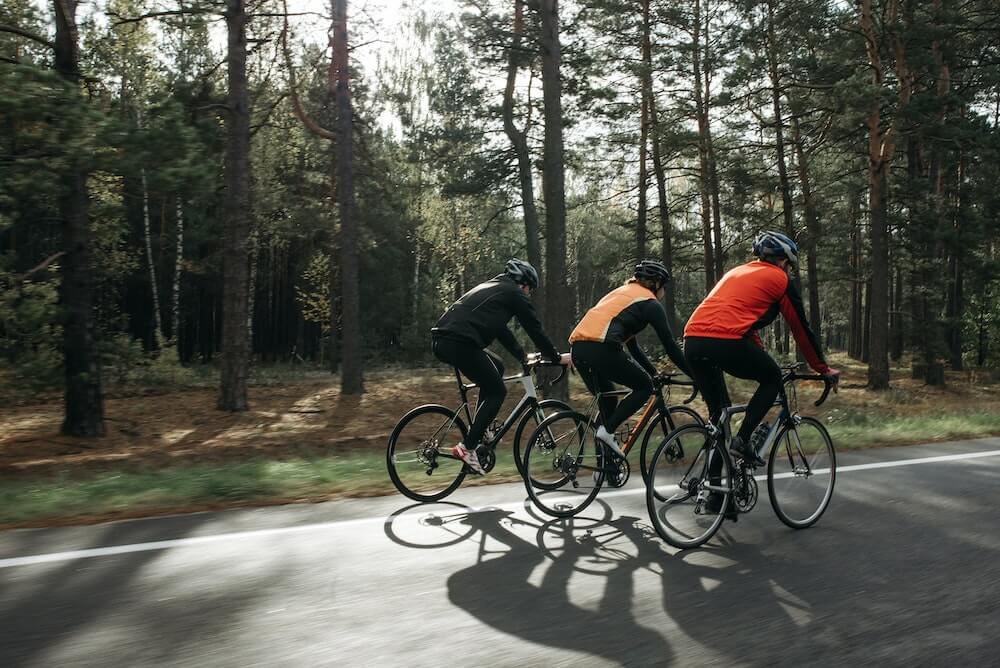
(481, 315)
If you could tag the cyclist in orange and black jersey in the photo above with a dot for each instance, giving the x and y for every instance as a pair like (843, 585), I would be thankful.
(599, 340)
(721, 335)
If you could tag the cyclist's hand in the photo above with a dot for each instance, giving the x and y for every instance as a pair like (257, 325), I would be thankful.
(833, 375)
(566, 359)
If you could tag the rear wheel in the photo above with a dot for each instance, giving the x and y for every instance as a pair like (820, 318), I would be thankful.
(801, 472)
(689, 487)
(419, 457)
(562, 465)
(659, 429)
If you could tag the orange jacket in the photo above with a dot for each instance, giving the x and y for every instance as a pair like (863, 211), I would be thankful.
(749, 298)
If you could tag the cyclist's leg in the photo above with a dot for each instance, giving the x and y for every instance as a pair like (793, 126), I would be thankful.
(583, 352)
(613, 365)
(744, 359)
(700, 354)
(482, 369)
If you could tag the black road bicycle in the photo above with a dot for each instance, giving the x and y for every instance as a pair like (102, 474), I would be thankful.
(565, 464)
(419, 457)
(693, 479)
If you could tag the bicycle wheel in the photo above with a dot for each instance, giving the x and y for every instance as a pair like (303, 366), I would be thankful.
(659, 429)
(531, 419)
(419, 456)
(688, 487)
(801, 471)
(562, 465)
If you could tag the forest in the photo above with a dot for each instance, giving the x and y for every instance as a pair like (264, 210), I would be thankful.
(227, 184)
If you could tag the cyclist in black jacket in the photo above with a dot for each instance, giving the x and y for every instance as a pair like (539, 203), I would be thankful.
(471, 324)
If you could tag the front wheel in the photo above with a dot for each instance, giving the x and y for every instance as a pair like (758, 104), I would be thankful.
(801, 471)
(660, 428)
(563, 464)
(419, 457)
(532, 418)
(689, 487)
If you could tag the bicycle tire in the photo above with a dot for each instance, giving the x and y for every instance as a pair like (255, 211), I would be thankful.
(561, 452)
(791, 465)
(548, 407)
(677, 498)
(420, 450)
(645, 456)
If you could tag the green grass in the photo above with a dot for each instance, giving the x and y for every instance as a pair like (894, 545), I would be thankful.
(260, 481)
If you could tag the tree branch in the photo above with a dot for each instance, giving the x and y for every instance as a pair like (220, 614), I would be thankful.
(14, 30)
(300, 113)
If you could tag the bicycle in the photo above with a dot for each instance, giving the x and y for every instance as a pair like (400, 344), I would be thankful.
(691, 466)
(418, 456)
(565, 465)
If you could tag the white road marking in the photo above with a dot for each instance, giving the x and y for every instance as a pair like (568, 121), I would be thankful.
(340, 524)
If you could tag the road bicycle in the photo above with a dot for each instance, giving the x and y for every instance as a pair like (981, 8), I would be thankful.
(693, 480)
(418, 456)
(565, 464)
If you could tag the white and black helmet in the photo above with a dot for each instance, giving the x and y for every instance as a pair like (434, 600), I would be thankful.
(775, 245)
(522, 273)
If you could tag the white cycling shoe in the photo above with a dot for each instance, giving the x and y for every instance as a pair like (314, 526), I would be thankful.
(608, 439)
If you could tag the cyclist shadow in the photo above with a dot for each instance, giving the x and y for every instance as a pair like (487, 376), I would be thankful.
(504, 592)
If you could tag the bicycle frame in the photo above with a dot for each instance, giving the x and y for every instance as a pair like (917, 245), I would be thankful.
(528, 401)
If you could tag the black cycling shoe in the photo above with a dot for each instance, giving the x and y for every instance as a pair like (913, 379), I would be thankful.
(740, 449)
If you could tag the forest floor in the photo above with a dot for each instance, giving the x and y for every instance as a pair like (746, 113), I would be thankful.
(169, 449)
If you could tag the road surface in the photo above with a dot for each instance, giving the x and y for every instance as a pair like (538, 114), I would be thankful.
(904, 569)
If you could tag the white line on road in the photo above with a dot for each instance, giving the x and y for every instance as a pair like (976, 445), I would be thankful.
(340, 524)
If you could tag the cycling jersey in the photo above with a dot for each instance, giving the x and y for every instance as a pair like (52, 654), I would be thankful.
(749, 298)
(623, 313)
(481, 315)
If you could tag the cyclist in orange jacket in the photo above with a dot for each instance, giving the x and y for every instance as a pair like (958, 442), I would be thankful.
(599, 342)
(721, 334)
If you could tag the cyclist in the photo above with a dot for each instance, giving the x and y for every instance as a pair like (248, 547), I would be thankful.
(721, 335)
(462, 334)
(599, 340)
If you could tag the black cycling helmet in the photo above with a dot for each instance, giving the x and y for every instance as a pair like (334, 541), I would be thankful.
(775, 245)
(522, 273)
(651, 270)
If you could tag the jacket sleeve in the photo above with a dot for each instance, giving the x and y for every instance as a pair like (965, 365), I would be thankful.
(509, 341)
(657, 317)
(794, 313)
(640, 357)
(524, 310)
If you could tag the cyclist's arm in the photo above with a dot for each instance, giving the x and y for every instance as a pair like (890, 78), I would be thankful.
(636, 351)
(795, 315)
(524, 310)
(657, 317)
(509, 341)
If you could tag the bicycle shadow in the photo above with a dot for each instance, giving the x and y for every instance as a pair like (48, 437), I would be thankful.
(501, 592)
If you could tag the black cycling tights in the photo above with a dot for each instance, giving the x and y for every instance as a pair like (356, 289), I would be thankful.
(708, 358)
(602, 364)
(485, 370)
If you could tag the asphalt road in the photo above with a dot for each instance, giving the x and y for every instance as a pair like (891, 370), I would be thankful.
(904, 569)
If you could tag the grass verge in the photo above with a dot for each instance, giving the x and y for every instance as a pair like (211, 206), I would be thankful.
(76, 498)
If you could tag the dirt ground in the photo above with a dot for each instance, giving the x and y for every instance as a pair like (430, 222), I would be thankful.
(310, 417)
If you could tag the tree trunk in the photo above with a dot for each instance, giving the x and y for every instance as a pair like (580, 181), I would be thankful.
(704, 180)
(813, 231)
(667, 250)
(175, 309)
(519, 141)
(235, 271)
(154, 287)
(84, 404)
(351, 380)
(553, 183)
